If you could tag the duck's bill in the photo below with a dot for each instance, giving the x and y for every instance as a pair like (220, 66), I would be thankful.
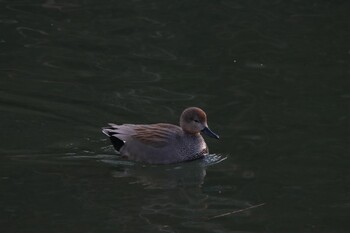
(210, 133)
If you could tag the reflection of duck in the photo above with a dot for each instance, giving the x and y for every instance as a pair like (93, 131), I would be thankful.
(167, 176)
(163, 143)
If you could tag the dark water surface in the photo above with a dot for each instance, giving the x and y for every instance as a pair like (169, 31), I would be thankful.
(273, 78)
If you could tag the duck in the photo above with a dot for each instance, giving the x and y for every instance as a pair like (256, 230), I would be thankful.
(163, 143)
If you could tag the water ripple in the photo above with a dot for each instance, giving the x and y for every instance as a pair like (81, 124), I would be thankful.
(52, 4)
(8, 21)
(32, 33)
(213, 159)
(155, 53)
(145, 76)
(159, 94)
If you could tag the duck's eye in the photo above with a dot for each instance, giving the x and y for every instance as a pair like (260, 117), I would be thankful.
(197, 121)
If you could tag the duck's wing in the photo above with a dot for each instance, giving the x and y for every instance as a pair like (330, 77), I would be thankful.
(155, 135)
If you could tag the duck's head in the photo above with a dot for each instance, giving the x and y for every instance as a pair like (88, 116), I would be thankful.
(193, 120)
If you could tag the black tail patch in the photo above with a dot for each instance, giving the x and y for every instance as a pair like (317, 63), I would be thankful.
(117, 143)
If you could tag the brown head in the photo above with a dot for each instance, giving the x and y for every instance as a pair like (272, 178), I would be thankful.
(193, 120)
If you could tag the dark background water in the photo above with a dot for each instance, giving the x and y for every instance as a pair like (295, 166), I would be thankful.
(273, 77)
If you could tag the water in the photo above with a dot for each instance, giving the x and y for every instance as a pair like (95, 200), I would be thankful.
(272, 77)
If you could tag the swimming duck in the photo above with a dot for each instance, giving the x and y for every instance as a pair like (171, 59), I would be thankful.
(163, 143)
